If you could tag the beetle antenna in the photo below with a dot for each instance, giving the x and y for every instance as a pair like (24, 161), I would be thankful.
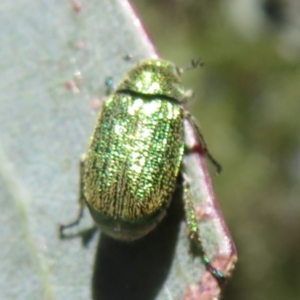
(193, 65)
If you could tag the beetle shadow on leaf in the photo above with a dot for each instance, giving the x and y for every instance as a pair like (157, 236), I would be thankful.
(137, 270)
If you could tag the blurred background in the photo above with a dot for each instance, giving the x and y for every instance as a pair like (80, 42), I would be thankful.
(247, 101)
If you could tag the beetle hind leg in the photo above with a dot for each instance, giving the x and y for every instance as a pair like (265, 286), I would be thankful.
(194, 233)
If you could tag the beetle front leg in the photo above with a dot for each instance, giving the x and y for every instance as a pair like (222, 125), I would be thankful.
(62, 227)
(194, 235)
(197, 128)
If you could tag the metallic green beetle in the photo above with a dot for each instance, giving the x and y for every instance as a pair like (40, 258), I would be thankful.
(129, 172)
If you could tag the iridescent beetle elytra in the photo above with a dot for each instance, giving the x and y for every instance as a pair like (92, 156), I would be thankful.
(129, 172)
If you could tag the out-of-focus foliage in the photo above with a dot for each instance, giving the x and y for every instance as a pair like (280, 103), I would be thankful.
(248, 102)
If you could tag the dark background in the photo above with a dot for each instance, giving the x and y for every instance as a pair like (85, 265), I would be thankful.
(247, 101)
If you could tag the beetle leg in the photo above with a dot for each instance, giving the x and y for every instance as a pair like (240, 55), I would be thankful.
(196, 126)
(110, 86)
(194, 232)
(62, 227)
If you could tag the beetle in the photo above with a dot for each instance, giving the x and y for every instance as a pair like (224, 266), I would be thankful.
(129, 172)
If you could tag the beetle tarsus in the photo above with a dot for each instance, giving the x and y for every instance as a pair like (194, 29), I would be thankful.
(194, 236)
(218, 275)
(62, 227)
